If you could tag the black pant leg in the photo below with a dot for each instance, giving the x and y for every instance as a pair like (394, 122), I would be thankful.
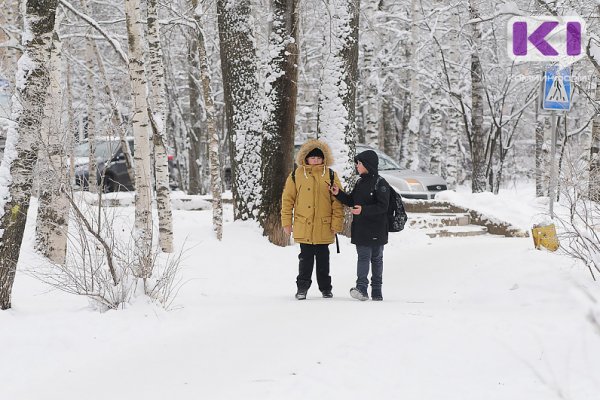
(323, 277)
(305, 266)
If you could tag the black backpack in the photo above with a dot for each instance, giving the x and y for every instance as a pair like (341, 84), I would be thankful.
(396, 214)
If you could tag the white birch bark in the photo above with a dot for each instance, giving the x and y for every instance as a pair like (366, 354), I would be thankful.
(337, 93)
(53, 209)
(91, 110)
(157, 106)
(410, 146)
(141, 131)
(20, 153)
(213, 148)
(595, 151)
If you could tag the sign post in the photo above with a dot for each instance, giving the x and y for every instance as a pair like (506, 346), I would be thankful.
(556, 97)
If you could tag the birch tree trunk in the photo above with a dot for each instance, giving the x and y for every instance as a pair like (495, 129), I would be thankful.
(388, 125)
(437, 133)
(539, 155)
(90, 85)
(20, 153)
(595, 151)
(53, 209)
(243, 104)
(157, 113)
(195, 131)
(337, 94)
(141, 126)
(215, 163)
(410, 151)
(282, 91)
(478, 139)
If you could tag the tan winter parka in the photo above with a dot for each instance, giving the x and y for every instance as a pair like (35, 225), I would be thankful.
(307, 205)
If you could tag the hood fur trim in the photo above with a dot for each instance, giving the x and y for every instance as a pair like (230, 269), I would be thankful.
(311, 144)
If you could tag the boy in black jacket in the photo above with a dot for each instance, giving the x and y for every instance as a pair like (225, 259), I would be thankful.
(369, 201)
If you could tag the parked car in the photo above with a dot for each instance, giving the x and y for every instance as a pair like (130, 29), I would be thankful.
(111, 159)
(410, 184)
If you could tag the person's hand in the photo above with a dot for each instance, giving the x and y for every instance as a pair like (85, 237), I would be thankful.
(356, 210)
(287, 230)
(334, 190)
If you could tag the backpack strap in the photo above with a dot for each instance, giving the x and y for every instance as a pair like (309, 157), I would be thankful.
(331, 176)
(294, 175)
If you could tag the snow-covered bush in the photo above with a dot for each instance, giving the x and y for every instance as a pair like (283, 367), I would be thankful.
(101, 259)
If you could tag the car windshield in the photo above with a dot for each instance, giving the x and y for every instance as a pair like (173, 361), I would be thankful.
(104, 149)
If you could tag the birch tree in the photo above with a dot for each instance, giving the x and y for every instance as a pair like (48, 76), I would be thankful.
(243, 104)
(595, 149)
(20, 153)
(157, 113)
(337, 93)
(410, 144)
(141, 126)
(215, 164)
(91, 111)
(53, 209)
(278, 142)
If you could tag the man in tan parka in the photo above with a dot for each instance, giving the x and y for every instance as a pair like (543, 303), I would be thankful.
(308, 206)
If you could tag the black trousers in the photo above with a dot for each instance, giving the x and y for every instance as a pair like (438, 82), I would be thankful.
(308, 253)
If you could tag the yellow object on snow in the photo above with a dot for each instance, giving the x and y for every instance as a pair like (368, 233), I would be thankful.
(545, 236)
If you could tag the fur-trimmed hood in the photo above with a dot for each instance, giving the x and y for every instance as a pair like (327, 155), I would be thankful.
(310, 145)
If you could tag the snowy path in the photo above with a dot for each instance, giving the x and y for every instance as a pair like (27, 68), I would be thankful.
(474, 318)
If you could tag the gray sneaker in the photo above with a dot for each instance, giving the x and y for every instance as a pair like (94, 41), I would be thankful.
(358, 294)
(301, 295)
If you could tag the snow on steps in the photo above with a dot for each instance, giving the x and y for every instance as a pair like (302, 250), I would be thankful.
(445, 225)
(441, 208)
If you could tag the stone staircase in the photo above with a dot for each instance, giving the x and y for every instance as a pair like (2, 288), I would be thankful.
(445, 224)
(442, 219)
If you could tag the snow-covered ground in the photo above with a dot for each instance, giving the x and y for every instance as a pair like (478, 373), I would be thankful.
(463, 318)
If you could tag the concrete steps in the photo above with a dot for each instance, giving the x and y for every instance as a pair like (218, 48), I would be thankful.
(445, 224)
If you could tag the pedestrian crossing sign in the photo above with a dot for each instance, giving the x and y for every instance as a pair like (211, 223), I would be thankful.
(557, 89)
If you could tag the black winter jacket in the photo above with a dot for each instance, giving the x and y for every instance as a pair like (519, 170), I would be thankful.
(370, 227)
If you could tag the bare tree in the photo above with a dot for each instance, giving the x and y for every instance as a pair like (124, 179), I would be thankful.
(278, 143)
(53, 209)
(157, 117)
(215, 164)
(22, 144)
(243, 104)
(337, 93)
(141, 126)
(477, 138)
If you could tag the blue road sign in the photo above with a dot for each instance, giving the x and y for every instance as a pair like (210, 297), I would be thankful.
(557, 89)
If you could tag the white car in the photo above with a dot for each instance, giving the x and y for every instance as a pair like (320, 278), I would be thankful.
(410, 184)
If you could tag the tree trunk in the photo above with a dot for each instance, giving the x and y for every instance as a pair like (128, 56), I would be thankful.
(337, 94)
(195, 132)
(53, 210)
(20, 153)
(91, 112)
(478, 140)
(595, 151)
(158, 109)
(539, 155)
(278, 144)
(214, 151)
(388, 125)
(410, 152)
(141, 126)
(243, 104)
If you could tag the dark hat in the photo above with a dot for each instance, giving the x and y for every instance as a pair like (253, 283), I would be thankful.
(316, 152)
(370, 160)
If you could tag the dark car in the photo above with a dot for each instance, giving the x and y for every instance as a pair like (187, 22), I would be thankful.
(110, 160)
